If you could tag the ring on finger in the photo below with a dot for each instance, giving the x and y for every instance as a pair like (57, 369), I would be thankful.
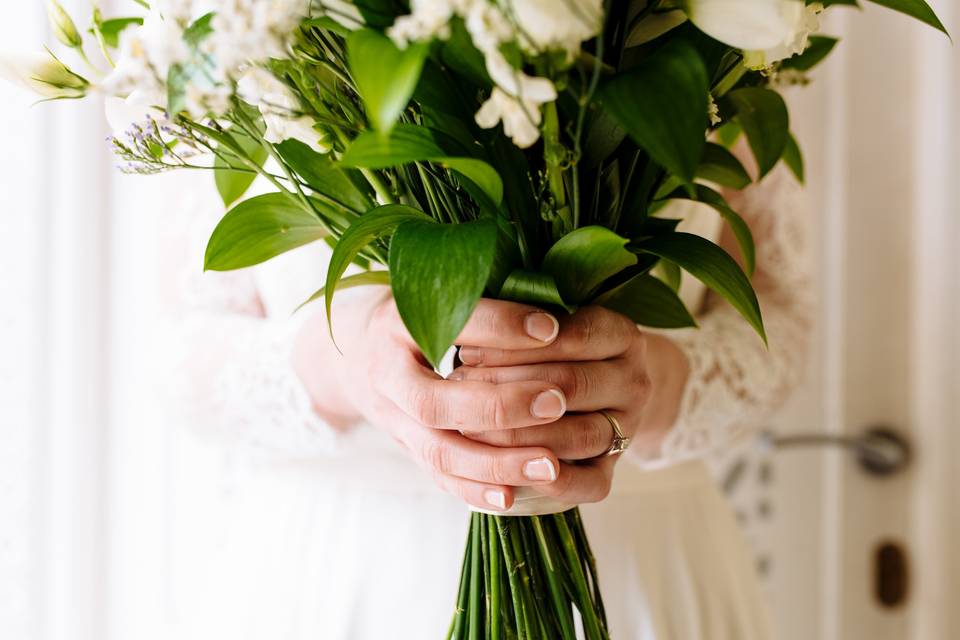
(620, 442)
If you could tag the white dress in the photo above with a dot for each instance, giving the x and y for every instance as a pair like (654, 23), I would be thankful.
(334, 536)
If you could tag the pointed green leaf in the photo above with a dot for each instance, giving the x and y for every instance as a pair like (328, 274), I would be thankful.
(233, 177)
(386, 76)
(793, 158)
(438, 273)
(323, 175)
(741, 230)
(259, 229)
(916, 9)
(662, 103)
(764, 117)
(720, 166)
(533, 288)
(648, 302)
(379, 222)
(711, 265)
(410, 143)
(583, 259)
(820, 47)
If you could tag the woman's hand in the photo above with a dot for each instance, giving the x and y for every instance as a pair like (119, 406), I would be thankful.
(600, 361)
(383, 377)
(523, 370)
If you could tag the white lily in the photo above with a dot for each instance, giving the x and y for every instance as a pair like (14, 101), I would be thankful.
(799, 42)
(43, 75)
(751, 25)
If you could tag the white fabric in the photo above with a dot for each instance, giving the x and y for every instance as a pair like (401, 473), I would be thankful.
(342, 537)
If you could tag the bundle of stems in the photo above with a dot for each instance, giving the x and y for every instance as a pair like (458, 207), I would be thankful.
(528, 578)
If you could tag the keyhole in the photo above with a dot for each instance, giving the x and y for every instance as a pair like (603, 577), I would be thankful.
(891, 575)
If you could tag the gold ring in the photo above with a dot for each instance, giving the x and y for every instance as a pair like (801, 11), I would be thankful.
(620, 442)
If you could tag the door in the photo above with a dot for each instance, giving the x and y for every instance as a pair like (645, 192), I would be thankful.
(879, 131)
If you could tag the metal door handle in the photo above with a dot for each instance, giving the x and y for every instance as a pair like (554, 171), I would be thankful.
(880, 451)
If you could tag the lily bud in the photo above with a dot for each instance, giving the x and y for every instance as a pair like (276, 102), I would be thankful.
(751, 25)
(62, 24)
(44, 75)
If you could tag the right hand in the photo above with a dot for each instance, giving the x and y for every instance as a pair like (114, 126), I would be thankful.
(383, 377)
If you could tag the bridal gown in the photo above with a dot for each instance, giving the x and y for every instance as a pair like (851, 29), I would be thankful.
(340, 536)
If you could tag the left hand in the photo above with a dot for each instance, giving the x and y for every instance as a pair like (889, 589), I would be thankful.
(601, 361)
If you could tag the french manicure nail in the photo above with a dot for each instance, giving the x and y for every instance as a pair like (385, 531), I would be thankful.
(540, 469)
(542, 326)
(470, 355)
(495, 499)
(549, 404)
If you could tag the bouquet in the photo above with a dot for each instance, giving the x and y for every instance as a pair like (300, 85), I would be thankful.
(516, 149)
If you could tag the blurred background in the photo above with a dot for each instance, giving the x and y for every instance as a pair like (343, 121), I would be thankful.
(105, 505)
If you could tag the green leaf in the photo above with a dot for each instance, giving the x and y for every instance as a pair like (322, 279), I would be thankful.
(386, 76)
(916, 9)
(668, 273)
(581, 260)
(793, 158)
(356, 280)
(711, 265)
(232, 184)
(438, 273)
(199, 30)
(720, 166)
(820, 47)
(662, 103)
(764, 117)
(323, 175)
(411, 143)
(533, 288)
(110, 30)
(741, 230)
(259, 229)
(379, 222)
(648, 302)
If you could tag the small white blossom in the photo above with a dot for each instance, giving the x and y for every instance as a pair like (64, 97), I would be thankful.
(713, 111)
(280, 109)
(521, 118)
(549, 25)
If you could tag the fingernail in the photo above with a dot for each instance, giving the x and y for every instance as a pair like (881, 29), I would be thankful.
(456, 374)
(542, 326)
(540, 469)
(470, 355)
(549, 404)
(495, 499)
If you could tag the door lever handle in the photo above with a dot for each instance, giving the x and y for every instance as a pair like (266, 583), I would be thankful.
(880, 451)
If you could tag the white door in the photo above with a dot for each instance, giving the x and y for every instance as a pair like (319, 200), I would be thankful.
(881, 138)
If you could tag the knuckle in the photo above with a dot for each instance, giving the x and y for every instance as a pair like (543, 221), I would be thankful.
(641, 385)
(424, 407)
(499, 412)
(436, 456)
(582, 382)
(494, 470)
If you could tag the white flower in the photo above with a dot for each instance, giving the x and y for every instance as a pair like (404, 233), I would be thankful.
(428, 19)
(43, 75)
(521, 118)
(552, 25)
(750, 25)
(810, 23)
(713, 111)
(146, 55)
(62, 25)
(280, 109)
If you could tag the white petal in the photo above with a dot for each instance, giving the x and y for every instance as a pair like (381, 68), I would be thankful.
(748, 24)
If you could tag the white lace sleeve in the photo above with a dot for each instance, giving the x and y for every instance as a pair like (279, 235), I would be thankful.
(232, 372)
(736, 383)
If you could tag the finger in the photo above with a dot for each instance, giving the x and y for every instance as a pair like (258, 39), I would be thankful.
(468, 405)
(509, 325)
(587, 386)
(593, 333)
(451, 454)
(582, 483)
(483, 496)
(579, 436)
